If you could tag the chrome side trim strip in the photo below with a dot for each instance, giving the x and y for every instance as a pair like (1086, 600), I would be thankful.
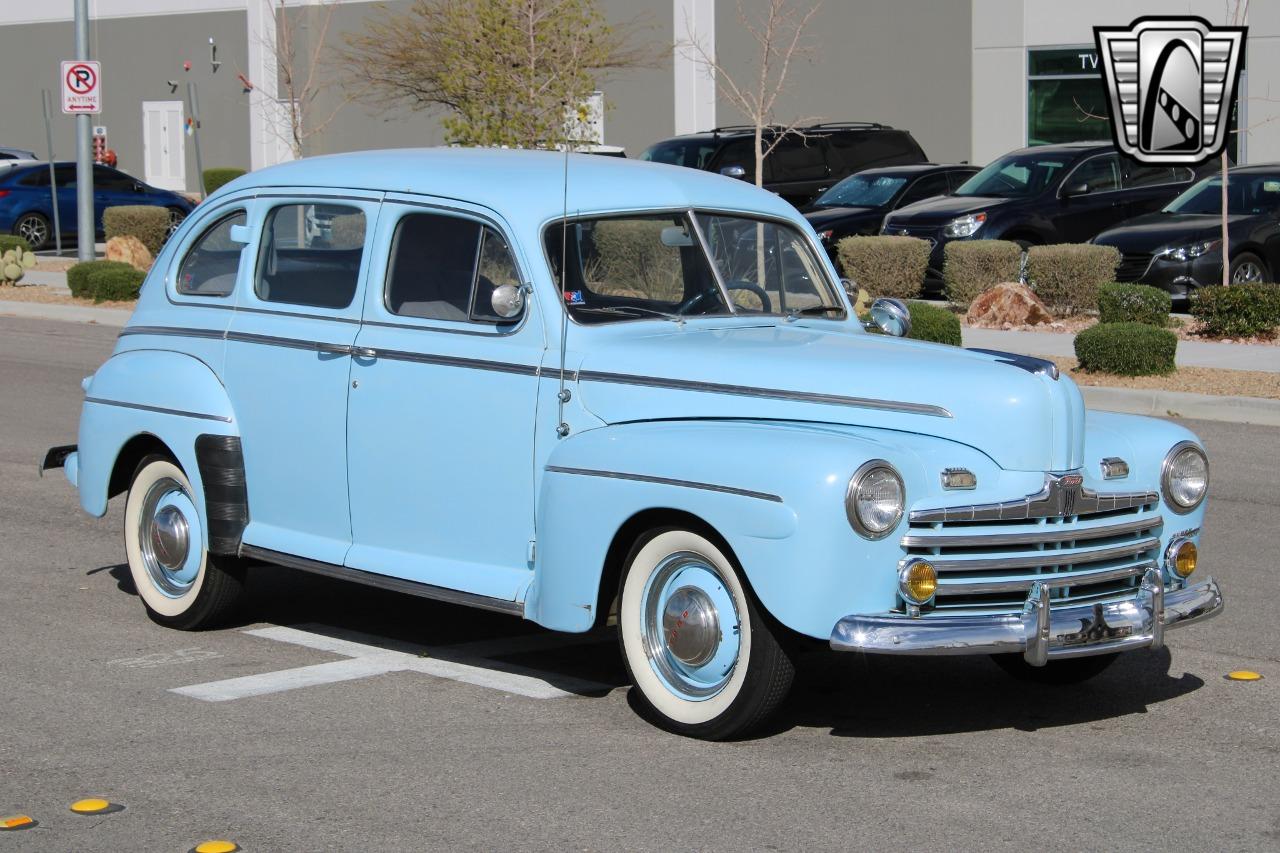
(1047, 558)
(946, 587)
(766, 393)
(172, 331)
(922, 540)
(458, 361)
(1062, 495)
(157, 409)
(665, 481)
(422, 590)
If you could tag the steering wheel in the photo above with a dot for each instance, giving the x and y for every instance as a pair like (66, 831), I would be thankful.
(765, 302)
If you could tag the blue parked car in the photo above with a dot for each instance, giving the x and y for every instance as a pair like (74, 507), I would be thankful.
(26, 208)
(412, 370)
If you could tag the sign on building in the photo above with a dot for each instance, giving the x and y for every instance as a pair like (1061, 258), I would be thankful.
(81, 87)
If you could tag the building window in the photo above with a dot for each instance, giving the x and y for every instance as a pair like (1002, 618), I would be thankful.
(1067, 98)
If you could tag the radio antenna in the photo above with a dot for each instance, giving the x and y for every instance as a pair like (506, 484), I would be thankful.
(564, 395)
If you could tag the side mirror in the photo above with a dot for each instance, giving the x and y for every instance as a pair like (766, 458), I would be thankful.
(891, 316)
(734, 172)
(138, 187)
(1075, 189)
(507, 301)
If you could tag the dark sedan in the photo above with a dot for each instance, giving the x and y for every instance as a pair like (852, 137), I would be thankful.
(26, 205)
(859, 203)
(1179, 249)
(1047, 194)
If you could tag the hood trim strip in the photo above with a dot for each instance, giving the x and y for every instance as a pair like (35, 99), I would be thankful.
(765, 393)
(665, 481)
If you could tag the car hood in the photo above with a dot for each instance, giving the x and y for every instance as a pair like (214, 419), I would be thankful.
(942, 209)
(1158, 230)
(1023, 421)
(824, 216)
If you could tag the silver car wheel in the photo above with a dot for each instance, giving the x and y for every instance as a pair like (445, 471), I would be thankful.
(1247, 273)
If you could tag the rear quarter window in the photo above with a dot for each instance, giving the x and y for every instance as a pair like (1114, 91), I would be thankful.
(212, 263)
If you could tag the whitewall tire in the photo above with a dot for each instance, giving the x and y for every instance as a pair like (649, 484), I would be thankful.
(702, 659)
(179, 582)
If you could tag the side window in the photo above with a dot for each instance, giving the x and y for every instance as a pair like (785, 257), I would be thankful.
(1151, 176)
(446, 268)
(738, 153)
(213, 261)
(65, 175)
(797, 159)
(959, 177)
(926, 187)
(1102, 174)
(109, 179)
(311, 255)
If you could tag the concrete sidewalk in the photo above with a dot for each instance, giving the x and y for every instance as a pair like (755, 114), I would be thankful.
(1190, 353)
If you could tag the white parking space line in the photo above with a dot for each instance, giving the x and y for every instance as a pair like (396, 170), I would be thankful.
(366, 659)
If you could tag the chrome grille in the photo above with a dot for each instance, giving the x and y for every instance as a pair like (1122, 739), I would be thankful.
(923, 232)
(992, 564)
(1132, 266)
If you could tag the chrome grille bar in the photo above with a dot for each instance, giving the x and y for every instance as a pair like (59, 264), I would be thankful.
(1072, 579)
(1040, 536)
(1062, 496)
(1047, 559)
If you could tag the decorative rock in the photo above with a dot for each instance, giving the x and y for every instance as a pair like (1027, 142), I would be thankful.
(129, 250)
(1006, 306)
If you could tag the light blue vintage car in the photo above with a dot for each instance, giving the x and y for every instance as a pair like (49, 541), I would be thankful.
(593, 392)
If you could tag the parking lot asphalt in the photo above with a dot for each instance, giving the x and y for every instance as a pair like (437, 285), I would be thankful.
(335, 717)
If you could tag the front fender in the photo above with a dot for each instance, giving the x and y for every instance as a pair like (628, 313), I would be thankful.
(168, 395)
(773, 490)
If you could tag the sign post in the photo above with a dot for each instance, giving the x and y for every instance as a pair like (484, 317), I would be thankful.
(82, 96)
(53, 179)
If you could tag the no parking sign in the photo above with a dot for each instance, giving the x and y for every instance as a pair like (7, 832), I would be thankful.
(81, 86)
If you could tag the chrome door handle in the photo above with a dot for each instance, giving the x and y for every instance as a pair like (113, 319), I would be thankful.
(333, 349)
(364, 352)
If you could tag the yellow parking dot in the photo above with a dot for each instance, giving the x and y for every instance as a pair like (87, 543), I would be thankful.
(1244, 675)
(216, 846)
(90, 806)
(17, 821)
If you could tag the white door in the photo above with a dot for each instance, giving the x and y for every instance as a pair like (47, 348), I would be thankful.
(163, 149)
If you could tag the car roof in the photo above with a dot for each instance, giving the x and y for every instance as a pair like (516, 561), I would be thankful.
(528, 185)
(914, 169)
(741, 130)
(1076, 148)
(1252, 168)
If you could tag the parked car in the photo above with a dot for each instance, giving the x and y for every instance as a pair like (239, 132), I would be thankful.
(580, 399)
(26, 208)
(1047, 194)
(859, 203)
(1179, 249)
(17, 154)
(805, 164)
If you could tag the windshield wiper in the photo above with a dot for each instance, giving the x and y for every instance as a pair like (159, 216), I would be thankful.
(635, 310)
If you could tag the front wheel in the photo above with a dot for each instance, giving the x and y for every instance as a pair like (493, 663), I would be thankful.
(702, 659)
(181, 584)
(1248, 268)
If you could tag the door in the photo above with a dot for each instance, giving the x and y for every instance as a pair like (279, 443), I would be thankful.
(288, 365)
(164, 155)
(112, 189)
(442, 411)
(1080, 217)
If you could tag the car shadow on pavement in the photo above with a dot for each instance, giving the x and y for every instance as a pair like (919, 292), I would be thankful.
(894, 697)
(120, 573)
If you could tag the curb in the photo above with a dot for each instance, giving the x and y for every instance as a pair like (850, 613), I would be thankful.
(114, 317)
(1181, 404)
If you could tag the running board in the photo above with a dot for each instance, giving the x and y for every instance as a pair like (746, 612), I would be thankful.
(422, 590)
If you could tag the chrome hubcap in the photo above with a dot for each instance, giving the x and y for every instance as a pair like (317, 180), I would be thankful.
(168, 527)
(690, 626)
(1247, 273)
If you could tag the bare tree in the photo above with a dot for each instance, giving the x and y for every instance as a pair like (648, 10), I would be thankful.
(779, 34)
(293, 114)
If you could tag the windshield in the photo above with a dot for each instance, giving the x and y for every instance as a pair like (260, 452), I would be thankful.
(1015, 176)
(862, 191)
(632, 267)
(1246, 194)
(682, 152)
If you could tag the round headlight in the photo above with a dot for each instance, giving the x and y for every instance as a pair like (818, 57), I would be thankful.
(918, 581)
(1184, 477)
(875, 499)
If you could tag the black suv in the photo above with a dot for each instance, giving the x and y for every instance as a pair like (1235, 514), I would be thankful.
(1046, 194)
(806, 163)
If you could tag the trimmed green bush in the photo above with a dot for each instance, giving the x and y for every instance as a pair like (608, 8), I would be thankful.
(1237, 311)
(972, 266)
(1066, 277)
(933, 323)
(149, 224)
(1134, 303)
(215, 178)
(1127, 349)
(104, 280)
(13, 242)
(885, 266)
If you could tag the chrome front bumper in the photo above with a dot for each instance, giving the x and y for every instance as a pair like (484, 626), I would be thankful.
(1039, 633)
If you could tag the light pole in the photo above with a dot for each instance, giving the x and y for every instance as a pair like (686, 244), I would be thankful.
(84, 156)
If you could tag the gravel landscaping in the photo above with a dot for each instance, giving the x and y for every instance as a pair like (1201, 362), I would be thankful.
(1195, 380)
(48, 296)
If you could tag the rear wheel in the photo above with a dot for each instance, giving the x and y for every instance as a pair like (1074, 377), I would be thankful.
(1066, 671)
(702, 659)
(33, 228)
(176, 218)
(1248, 268)
(180, 583)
